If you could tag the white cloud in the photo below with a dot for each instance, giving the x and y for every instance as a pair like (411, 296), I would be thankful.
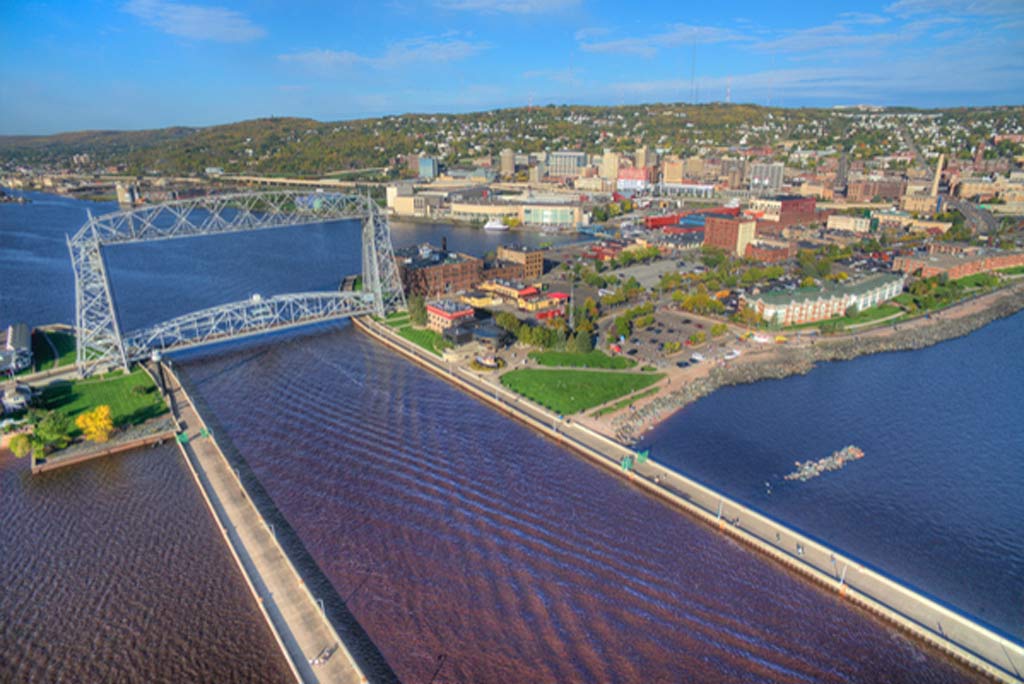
(678, 34)
(193, 21)
(588, 32)
(508, 6)
(992, 8)
(414, 51)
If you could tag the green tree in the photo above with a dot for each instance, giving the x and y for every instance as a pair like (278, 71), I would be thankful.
(582, 343)
(20, 445)
(719, 329)
(52, 431)
(417, 310)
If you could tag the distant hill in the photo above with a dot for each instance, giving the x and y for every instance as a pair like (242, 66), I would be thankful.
(297, 146)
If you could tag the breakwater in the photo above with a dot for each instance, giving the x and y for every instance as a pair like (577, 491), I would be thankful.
(314, 649)
(953, 633)
(785, 361)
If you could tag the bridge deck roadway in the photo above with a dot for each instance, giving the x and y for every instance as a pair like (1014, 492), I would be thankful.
(288, 605)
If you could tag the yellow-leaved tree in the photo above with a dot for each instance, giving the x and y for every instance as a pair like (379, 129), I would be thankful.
(96, 424)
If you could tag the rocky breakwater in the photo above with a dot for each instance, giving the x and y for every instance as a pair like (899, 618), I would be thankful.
(785, 361)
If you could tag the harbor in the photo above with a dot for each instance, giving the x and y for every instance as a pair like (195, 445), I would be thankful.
(953, 633)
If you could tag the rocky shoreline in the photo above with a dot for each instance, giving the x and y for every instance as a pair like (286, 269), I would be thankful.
(787, 361)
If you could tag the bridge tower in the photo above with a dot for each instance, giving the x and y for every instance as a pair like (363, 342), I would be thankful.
(101, 344)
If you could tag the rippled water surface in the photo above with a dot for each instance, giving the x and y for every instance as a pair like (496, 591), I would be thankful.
(113, 571)
(458, 536)
(936, 500)
(467, 546)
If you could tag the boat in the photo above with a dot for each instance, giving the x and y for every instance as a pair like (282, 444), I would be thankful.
(805, 470)
(495, 224)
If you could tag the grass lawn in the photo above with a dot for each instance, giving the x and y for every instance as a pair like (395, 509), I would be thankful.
(114, 390)
(624, 402)
(397, 319)
(977, 280)
(594, 359)
(428, 339)
(569, 391)
(1016, 270)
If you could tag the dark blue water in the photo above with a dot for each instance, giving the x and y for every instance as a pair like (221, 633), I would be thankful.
(743, 634)
(153, 282)
(937, 500)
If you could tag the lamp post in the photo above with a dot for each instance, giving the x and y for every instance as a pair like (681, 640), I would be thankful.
(157, 357)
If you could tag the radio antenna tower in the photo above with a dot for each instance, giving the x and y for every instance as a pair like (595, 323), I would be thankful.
(728, 91)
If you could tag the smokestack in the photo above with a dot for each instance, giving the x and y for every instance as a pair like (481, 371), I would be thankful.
(938, 175)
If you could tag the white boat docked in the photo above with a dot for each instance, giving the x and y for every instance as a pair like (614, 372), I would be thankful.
(495, 224)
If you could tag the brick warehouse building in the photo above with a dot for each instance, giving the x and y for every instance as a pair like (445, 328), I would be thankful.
(732, 234)
(956, 265)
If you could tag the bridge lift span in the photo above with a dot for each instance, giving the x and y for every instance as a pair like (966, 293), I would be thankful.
(101, 345)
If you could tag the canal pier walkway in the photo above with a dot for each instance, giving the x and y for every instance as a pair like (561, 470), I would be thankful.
(953, 633)
(293, 614)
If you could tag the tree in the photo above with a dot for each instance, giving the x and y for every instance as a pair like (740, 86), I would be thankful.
(582, 343)
(53, 430)
(718, 329)
(417, 310)
(20, 445)
(97, 424)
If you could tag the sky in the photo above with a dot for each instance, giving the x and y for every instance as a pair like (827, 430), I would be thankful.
(139, 64)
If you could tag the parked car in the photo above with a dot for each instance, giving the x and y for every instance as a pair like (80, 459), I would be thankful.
(683, 364)
(631, 352)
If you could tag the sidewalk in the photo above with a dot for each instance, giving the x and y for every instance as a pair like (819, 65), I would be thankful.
(294, 615)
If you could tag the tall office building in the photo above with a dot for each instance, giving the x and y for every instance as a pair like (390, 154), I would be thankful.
(507, 162)
(610, 165)
(428, 168)
(766, 178)
(566, 163)
(646, 157)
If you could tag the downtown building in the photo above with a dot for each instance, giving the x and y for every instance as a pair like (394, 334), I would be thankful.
(809, 305)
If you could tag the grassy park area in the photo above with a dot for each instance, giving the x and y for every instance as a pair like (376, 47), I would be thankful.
(593, 359)
(569, 391)
(623, 403)
(128, 405)
(428, 339)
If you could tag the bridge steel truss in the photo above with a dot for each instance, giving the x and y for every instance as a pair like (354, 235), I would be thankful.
(100, 342)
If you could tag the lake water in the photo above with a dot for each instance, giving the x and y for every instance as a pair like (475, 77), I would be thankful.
(456, 537)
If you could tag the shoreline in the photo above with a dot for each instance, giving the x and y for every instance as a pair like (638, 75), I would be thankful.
(799, 357)
(955, 634)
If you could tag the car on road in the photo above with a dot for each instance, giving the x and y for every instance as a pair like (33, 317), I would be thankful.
(696, 358)
(731, 354)
(631, 352)
(683, 364)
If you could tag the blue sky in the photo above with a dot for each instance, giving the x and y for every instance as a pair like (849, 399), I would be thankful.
(153, 63)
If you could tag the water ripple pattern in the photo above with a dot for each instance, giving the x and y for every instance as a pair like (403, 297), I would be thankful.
(462, 539)
(114, 571)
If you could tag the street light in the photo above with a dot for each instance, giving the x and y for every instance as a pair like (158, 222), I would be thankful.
(157, 357)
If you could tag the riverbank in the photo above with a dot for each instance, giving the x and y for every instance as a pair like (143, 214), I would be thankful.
(800, 355)
(950, 632)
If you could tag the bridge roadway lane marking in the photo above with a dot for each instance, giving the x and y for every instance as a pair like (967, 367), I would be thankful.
(295, 617)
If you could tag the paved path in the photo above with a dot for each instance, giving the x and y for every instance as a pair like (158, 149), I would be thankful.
(294, 615)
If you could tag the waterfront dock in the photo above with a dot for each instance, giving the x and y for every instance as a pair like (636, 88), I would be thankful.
(953, 633)
(293, 614)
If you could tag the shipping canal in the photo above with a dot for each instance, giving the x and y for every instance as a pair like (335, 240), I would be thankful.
(458, 538)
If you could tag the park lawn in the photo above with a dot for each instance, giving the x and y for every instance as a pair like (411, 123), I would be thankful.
(569, 391)
(114, 390)
(397, 319)
(983, 280)
(623, 403)
(593, 359)
(1015, 270)
(428, 339)
(65, 343)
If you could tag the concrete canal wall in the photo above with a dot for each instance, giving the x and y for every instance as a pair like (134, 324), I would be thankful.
(956, 635)
(292, 612)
